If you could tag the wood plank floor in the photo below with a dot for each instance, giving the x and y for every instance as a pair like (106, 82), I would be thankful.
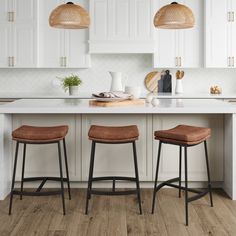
(118, 216)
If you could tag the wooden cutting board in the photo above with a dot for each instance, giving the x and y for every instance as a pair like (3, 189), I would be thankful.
(151, 81)
(134, 102)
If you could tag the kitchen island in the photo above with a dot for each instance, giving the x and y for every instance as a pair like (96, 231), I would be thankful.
(220, 116)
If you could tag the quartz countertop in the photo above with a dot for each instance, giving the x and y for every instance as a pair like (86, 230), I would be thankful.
(81, 106)
(85, 95)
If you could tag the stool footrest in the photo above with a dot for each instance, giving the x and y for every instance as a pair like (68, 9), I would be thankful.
(121, 178)
(48, 193)
(199, 195)
(29, 179)
(109, 193)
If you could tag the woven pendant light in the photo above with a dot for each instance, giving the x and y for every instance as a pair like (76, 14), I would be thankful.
(174, 16)
(69, 16)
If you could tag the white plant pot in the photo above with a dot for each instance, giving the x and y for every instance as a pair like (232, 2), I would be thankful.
(179, 86)
(73, 90)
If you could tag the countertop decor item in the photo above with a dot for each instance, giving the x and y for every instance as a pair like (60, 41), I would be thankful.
(159, 82)
(179, 86)
(134, 102)
(118, 81)
(72, 84)
(69, 16)
(151, 81)
(215, 89)
(174, 16)
(111, 96)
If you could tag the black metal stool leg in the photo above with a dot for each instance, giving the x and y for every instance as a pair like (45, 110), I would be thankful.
(137, 177)
(13, 177)
(180, 169)
(90, 175)
(186, 185)
(208, 173)
(67, 171)
(23, 171)
(61, 176)
(155, 184)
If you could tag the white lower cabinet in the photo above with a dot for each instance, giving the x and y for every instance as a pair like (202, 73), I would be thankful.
(117, 159)
(42, 160)
(196, 157)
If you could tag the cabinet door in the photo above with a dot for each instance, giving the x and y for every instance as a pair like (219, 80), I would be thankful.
(190, 45)
(6, 42)
(51, 40)
(196, 156)
(165, 44)
(232, 53)
(114, 159)
(99, 19)
(42, 160)
(5, 33)
(76, 45)
(24, 33)
(216, 33)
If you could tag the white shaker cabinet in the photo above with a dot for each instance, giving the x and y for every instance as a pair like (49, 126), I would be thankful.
(61, 48)
(220, 36)
(18, 33)
(121, 26)
(180, 48)
(117, 159)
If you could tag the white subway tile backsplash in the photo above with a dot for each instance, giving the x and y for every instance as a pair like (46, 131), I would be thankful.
(97, 78)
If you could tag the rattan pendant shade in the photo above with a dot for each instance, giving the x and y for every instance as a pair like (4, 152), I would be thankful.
(174, 16)
(69, 16)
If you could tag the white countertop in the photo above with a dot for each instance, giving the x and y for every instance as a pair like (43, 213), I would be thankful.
(85, 95)
(81, 106)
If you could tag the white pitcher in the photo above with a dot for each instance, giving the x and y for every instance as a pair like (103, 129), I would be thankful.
(118, 81)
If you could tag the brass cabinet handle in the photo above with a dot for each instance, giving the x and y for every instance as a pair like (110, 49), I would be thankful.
(229, 61)
(61, 61)
(9, 61)
(65, 61)
(176, 61)
(229, 16)
(180, 61)
(13, 16)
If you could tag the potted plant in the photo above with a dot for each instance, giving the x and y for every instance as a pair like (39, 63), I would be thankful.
(72, 84)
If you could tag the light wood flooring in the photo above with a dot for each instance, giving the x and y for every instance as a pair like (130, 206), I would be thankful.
(111, 216)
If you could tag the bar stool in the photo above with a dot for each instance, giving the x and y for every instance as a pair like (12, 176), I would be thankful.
(113, 135)
(40, 135)
(183, 136)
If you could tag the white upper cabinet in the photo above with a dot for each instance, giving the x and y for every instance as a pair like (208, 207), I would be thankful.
(180, 48)
(218, 35)
(59, 48)
(121, 26)
(18, 33)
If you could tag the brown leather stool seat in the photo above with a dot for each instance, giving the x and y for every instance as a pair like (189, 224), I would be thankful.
(183, 135)
(34, 134)
(108, 134)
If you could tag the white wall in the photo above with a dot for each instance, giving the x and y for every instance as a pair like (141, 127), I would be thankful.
(97, 78)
